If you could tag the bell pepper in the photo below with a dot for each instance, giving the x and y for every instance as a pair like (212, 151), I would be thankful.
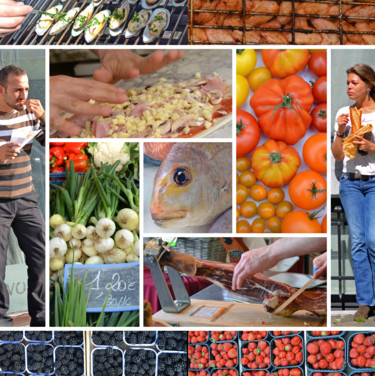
(80, 161)
(57, 156)
(57, 170)
(57, 143)
(75, 147)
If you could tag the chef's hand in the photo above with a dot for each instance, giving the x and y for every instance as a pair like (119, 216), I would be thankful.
(320, 262)
(9, 151)
(254, 261)
(12, 14)
(124, 64)
(34, 106)
(363, 144)
(72, 95)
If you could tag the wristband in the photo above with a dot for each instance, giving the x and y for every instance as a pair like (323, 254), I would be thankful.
(340, 135)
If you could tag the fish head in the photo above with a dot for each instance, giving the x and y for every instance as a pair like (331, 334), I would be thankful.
(188, 188)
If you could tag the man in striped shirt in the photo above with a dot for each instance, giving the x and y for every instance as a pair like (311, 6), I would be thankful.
(18, 200)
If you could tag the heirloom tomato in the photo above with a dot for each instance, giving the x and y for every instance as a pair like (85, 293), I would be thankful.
(283, 63)
(282, 108)
(275, 163)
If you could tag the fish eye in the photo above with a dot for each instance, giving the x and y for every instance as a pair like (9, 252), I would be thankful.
(182, 176)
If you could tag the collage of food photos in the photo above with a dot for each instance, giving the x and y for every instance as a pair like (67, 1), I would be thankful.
(187, 187)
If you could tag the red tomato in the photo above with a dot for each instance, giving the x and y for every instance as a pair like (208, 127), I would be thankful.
(319, 117)
(319, 90)
(324, 224)
(248, 133)
(299, 221)
(315, 152)
(318, 63)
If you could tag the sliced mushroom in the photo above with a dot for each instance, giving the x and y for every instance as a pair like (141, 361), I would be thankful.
(215, 96)
(182, 122)
(148, 132)
(165, 127)
(118, 112)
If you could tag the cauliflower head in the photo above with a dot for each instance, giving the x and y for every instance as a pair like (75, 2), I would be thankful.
(110, 153)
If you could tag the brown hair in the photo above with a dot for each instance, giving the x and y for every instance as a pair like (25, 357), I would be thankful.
(10, 69)
(366, 74)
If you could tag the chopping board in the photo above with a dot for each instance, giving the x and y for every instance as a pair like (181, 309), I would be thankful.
(230, 314)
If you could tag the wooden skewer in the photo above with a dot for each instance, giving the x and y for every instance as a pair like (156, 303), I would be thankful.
(294, 296)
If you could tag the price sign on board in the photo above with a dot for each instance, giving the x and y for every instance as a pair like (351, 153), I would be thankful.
(118, 282)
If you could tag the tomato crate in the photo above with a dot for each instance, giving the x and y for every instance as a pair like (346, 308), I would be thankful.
(205, 366)
(224, 355)
(360, 344)
(313, 348)
(284, 371)
(338, 333)
(224, 333)
(289, 344)
(290, 333)
(198, 335)
(252, 347)
(259, 334)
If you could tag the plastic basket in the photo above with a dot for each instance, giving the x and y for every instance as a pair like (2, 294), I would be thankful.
(224, 340)
(29, 348)
(161, 354)
(12, 337)
(208, 364)
(98, 350)
(94, 341)
(126, 340)
(61, 342)
(273, 345)
(327, 369)
(30, 334)
(56, 355)
(200, 343)
(9, 371)
(203, 248)
(348, 347)
(244, 367)
(140, 349)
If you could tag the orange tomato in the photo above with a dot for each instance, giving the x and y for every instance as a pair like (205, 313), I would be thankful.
(237, 214)
(315, 152)
(248, 209)
(258, 225)
(243, 226)
(247, 178)
(299, 221)
(283, 208)
(324, 224)
(243, 163)
(242, 194)
(258, 192)
(274, 224)
(308, 190)
(266, 210)
(275, 195)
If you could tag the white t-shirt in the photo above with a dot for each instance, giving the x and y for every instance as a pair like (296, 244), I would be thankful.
(363, 164)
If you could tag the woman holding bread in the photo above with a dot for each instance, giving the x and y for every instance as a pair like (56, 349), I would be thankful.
(354, 143)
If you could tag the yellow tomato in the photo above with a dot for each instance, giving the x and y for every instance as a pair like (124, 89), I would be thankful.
(245, 61)
(243, 226)
(275, 195)
(266, 210)
(274, 224)
(283, 208)
(243, 163)
(248, 209)
(258, 225)
(247, 178)
(259, 76)
(242, 90)
(258, 192)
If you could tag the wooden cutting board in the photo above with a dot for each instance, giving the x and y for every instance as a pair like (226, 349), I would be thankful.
(235, 314)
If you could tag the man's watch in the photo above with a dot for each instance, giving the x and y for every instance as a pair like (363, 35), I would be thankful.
(340, 135)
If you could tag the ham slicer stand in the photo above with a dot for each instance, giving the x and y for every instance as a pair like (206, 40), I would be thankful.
(152, 253)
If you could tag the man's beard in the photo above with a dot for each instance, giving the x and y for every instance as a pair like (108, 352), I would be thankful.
(14, 105)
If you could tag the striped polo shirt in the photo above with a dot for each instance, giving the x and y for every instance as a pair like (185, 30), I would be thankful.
(15, 174)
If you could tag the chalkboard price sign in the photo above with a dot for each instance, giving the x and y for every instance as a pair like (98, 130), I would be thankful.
(120, 281)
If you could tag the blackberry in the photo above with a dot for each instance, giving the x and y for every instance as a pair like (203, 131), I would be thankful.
(40, 336)
(140, 337)
(172, 340)
(69, 358)
(108, 361)
(67, 338)
(109, 338)
(11, 336)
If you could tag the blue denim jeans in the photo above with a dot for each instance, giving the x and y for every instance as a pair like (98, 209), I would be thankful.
(358, 200)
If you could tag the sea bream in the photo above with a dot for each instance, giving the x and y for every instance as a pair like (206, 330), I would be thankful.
(193, 187)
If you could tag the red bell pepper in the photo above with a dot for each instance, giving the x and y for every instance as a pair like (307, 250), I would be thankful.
(57, 143)
(57, 156)
(57, 170)
(80, 161)
(75, 147)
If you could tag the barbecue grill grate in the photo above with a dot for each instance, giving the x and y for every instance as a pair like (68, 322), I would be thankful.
(175, 34)
(240, 32)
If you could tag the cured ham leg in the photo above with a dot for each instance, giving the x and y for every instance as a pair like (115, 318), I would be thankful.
(272, 294)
